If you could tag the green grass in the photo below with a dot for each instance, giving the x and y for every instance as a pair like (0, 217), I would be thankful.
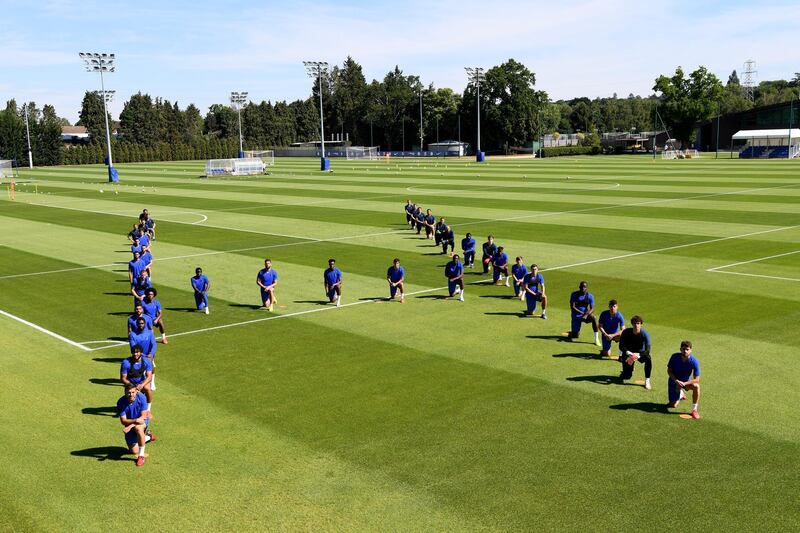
(436, 414)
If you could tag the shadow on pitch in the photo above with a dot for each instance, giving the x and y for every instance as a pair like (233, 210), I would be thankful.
(500, 296)
(115, 360)
(120, 313)
(100, 411)
(114, 382)
(246, 306)
(318, 302)
(579, 355)
(433, 297)
(117, 293)
(518, 314)
(603, 380)
(105, 453)
(182, 309)
(645, 407)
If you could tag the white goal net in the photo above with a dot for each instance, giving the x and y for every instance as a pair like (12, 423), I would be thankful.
(362, 152)
(234, 167)
(267, 156)
(7, 169)
(680, 154)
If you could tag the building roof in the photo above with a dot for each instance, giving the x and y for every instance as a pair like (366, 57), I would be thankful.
(74, 130)
(768, 134)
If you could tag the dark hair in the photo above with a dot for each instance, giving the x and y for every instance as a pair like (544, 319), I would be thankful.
(518, 258)
(137, 348)
(151, 289)
(582, 283)
(331, 260)
(456, 256)
(268, 259)
(612, 302)
(500, 248)
(636, 318)
(129, 386)
(395, 260)
(534, 265)
(686, 344)
(198, 269)
(469, 234)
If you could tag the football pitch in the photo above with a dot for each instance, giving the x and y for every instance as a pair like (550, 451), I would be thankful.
(430, 415)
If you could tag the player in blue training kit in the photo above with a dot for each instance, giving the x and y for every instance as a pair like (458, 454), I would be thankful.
(454, 272)
(144, 337)
(396, 276)
(138, 312)
(518, 272)
(267, 279)
(135, 246)
(410, 208)
(133, 235)
(611, 324)
(581, 304)
(680, 368)
(419, 219)
(534, 291)
(489, 249)
(138, 370)
(332, 279)
(135, 418)
(152, 308)
(634, 345)
(139, 286)
(144, 239)
(430, 222)
(448, 238)
(147, 259)
(135, 267)
(468, 245)
(200, 285)
(500, 266)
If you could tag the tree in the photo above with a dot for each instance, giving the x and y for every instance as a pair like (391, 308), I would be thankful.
(91, 116)
(733, 79)
(221, 121)
(12, 133)
(686, 101)
(349, 99)
(139, 120)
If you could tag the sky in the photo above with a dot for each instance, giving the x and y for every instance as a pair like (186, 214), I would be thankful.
(199, 51)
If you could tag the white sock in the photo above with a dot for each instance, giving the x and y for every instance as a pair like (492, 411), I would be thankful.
(153, 383)
(147, 438)
(694, 407)
(141, 450)
(149, 405)
(402, 295)
(462, 296)
(647, 381)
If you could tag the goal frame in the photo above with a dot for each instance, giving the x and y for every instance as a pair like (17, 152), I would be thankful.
(267, 156)
(369, 153)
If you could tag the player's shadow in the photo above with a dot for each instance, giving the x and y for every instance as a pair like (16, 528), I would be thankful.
(246, 306)
(105, 453)
(182, 309)
(557, 338)
(646, 407)
(114, 382)
(120, 270)
(115, 360)
(500, 296)
(318, 302)
(120, 313)
(121, 339)
(434, 253)
(433, 297)
(518, 314)
(100, 411)
(117, 293)
(603, 380)
(578, 355)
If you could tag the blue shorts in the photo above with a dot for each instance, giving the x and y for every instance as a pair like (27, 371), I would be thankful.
(201, 300)
(392, 290)
(451, 286)
(265, 296)
(332, 294)
(577, 321)
(673, 391)
(132, 438)
(606, 344)
(517, 288)
(531, 299)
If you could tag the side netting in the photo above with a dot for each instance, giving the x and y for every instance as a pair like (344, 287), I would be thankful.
(361, 152)
(267, 156)
(234, 167)
(7, 169)
(680, 154)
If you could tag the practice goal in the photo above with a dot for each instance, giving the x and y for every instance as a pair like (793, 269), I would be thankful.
(8, 169)
(362, 152)
(680, 154)
(267, 156)
(234, 167)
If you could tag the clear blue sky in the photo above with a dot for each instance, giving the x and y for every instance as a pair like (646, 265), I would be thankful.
(199, 51)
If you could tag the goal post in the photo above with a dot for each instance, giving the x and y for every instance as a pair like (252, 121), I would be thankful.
(361, 152)
(247, 166)
(8, 169)
(267, 156)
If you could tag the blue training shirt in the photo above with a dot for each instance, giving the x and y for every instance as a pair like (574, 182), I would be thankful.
(500, 259)
(267, 277)
(144, 240)
(581, 301)
(453, 269)
(611, 323)
(332, 276)
(134, 410)
(148, 321)
(201, 283)
(136, 267)
(683, 370)
(144, 365)
(519, 271)
(534, 283)
(468, 244)
(145, 339)
(151, 309)
(395, 274)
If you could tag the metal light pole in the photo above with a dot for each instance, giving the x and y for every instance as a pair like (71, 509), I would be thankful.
(239, 100)
(316, 69)
(103, 63)
(716, 156)
(791, 121)
(420, 119)
(476, 75)
(28, 131)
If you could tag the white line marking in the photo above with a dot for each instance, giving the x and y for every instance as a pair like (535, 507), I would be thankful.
(752, 261)
(43, 330)
(752, 275)
(607, 186)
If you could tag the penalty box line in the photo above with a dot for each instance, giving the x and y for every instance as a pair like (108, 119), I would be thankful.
(39, 328)
(723, 269)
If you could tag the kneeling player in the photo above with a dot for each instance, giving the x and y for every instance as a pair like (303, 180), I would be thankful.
(454, 272)
(518, 272)
(534, 291)
(680, 368)
(138, 370)
(396, 276)
(634, 345)
(332, 278)
(611, 324)
(153, 309)
(500, 266)
(267, 279)
(134, 417)
(581, 303)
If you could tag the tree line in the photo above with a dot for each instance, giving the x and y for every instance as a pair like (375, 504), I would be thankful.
(384, 113)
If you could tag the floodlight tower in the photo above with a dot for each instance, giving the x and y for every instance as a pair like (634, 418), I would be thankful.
(420, 119)
(103, 63)
(476, 75)
(28, 132)
(316, 69)
(749, 78)
(239, 100)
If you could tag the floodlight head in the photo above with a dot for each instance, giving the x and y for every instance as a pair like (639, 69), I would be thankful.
(475, 74)
(108, 95)
(98, 62)
(315, 68)
(239, 98)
